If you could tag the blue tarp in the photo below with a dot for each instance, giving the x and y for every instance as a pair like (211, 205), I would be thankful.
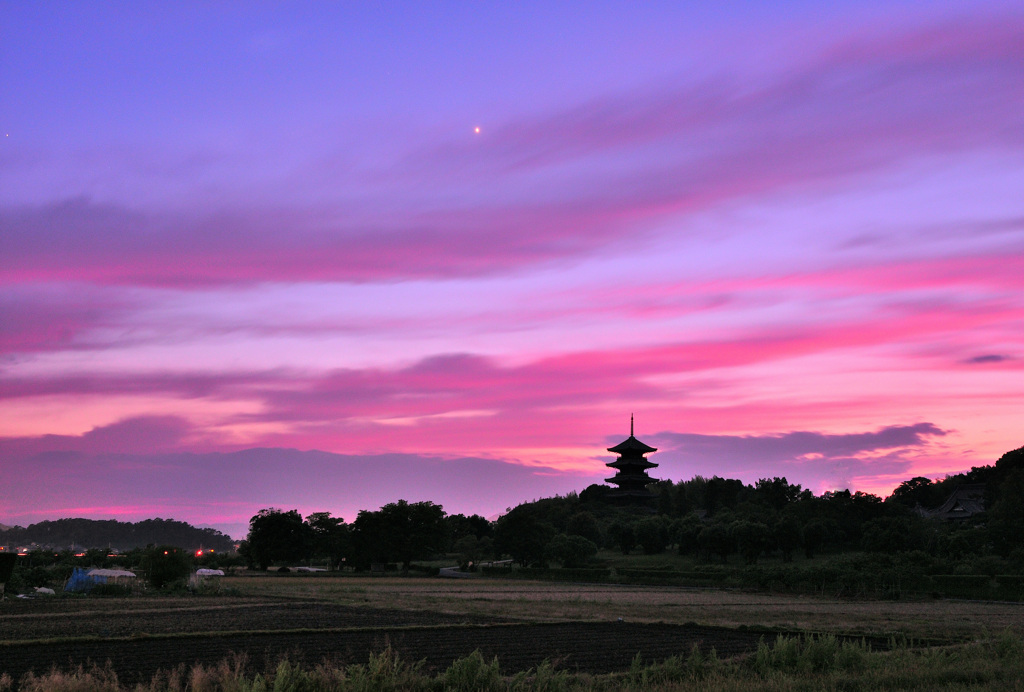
(82, 582)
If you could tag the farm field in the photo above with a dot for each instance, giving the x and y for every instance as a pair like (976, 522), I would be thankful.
(554, 601)
(311, 619)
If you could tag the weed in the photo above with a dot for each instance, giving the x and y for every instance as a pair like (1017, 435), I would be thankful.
(545, 679)
(95, 679)
(472, 673)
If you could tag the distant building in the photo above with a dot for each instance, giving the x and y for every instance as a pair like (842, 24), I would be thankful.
(631, 479)
(965, 502)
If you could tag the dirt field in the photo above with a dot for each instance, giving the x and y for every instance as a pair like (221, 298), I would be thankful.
(344, 620)
(561, 602)
(140, 640)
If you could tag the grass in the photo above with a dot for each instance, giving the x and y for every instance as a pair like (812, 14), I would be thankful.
(554, 601)
(982, 661)
(816, 663)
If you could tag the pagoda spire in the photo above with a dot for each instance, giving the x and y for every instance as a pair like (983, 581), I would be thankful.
(631, 425)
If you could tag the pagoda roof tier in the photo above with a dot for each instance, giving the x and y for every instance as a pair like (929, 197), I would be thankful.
(631, 482)
(631, 463)
(631, 444)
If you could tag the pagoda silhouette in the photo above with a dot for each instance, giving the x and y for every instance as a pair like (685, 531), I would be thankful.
(631, 479)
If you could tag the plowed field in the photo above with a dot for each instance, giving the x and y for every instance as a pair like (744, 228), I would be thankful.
(165, 633)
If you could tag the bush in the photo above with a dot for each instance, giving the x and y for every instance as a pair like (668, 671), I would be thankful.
(473, 673)
(652, 534)
(165, 565)
(963, 585)
(1010, 587)
(570, 551)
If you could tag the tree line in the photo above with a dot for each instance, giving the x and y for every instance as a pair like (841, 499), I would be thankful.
(120, 535)
(399, 532)
(711, 519)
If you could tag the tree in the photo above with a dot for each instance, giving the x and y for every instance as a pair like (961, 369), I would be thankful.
(777, 492)
(1007, 524)
(624, 536)
(329, 538)
(584, 524)
(419, 529)
(665, 500)
(815, 534)
(570, 551)
(165, 565)
(471, 549)
(522, 536)
(917, 491)
(787, 537)
(594, 493)
(401, 531)
(276, 535)
(714, 539)
(722, 493)
(687, 531)
(460, 526)
(889, 535)
(752, 539)
(652, 534)
(369, 543)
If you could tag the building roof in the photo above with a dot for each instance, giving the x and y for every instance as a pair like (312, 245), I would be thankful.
(631, 464)
(963, 503)
(112, 573)
(631, 444)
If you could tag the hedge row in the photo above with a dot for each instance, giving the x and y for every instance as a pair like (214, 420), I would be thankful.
(833, 580)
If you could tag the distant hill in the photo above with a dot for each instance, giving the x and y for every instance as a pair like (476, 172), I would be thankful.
(110, 533)
(4, 527)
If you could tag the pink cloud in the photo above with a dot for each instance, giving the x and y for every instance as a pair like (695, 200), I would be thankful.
(454, 382)
(54, 317)
(226, 489)
(610, 164)
(803, 452)
(135, 435)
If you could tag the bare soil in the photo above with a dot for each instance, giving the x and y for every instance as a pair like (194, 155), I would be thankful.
(141, 636)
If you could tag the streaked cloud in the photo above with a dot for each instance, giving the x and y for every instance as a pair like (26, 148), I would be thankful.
(791, 240)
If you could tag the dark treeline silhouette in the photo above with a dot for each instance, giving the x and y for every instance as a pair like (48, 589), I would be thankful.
(399, 532)
(711, 519)
(108, 533)
(715, 518)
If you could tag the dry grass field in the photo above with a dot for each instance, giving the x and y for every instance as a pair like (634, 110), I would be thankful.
(553, 602)
(452, 634)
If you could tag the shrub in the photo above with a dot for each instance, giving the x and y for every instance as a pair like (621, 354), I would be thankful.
(652, 534)
(570, 551)
(473, 673)
(165, 565)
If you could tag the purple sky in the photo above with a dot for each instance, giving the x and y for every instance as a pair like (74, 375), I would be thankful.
(324, 256)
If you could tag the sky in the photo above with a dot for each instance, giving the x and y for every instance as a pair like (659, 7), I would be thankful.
(325, 256)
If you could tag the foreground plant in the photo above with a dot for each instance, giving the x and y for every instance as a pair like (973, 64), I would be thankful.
(818, 663)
